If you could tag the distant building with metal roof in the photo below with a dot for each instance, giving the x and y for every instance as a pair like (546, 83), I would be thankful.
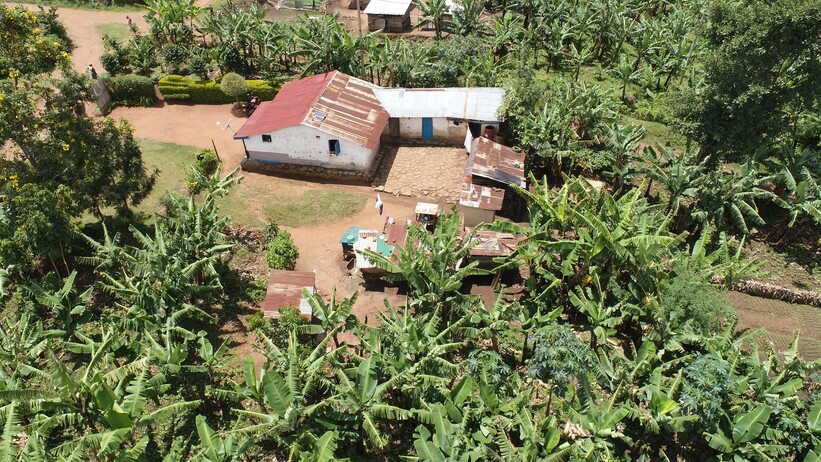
(492, 245)
(285, 289)
(329, 120)
(389, 15)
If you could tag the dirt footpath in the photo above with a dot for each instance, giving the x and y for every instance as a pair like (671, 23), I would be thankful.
(81, 26)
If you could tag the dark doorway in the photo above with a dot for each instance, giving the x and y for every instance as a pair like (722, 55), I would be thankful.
(475, 129)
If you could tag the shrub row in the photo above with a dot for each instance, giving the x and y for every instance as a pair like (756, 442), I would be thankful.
(131, 90)
(175, 87)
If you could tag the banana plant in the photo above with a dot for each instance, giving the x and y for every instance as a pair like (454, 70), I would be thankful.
(68, 307)
(215, 448)
(358, 405)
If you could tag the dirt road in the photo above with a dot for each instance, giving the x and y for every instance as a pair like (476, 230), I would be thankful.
(81, 26)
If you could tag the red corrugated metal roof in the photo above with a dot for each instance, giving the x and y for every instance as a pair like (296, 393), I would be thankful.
(333, 102)
(285, 288)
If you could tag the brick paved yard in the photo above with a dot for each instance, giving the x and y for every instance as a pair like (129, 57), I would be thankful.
(781, 320)
(431, 172)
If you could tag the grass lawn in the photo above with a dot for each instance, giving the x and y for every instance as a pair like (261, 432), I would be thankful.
(117, 31)
(657, 132)
(313, 207)
(171, 160)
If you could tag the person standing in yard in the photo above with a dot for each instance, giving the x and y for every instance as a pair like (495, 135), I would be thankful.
(128, 19)
(379, 204)
(92, 71)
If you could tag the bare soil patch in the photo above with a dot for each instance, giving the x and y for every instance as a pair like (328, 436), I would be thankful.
(780, 321)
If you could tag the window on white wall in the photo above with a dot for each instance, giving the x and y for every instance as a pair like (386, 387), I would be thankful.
(266, 138)
(333, 147)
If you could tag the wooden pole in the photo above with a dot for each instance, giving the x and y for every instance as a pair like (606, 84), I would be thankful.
(359, 19)
(215, 150)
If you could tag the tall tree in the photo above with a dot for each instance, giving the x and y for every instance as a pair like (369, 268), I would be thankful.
(762, 68)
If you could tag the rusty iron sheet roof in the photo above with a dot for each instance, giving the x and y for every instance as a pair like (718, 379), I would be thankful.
(285, 289)
(497, 162)
(333, 102)
(481, 197)
(397, 233)
(493, 244)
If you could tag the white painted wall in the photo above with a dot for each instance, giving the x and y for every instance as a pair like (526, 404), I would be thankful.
(443, 129)
(305, 145)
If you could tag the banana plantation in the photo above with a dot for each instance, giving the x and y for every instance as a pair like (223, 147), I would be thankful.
(617, 345)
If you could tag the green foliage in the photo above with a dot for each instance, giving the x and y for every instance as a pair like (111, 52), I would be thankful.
(429, 263)
(559, 357)
(234, 85)
(174, 55)
(280, 252)
(615, 346)
(279, 329)
(690, 306)
(131, 90)
(707, 382)
(27, 48)
(175, 87)
(758, 76)
(198, 174)
(256, 321)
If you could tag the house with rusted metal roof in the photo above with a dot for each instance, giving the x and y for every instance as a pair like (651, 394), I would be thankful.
(330, 120)
(449, 114)
(492, 167)
(389, 15)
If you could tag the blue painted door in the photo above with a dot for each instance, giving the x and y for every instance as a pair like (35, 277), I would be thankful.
(427, 128)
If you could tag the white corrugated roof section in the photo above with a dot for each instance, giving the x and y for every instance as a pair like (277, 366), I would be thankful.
(388, 7)
(480, 104)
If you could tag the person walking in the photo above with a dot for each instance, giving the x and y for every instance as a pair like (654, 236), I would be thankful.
(379, 204)
(128, 19)
(92, 71)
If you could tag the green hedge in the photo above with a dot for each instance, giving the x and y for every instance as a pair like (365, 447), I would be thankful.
(131, 90)
(175, 87)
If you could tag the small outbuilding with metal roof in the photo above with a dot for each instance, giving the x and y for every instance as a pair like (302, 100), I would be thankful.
(479, 204)
(330, 120)
(389, 15)
(285, 289)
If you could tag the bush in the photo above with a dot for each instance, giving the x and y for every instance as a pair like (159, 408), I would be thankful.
(692, 306)
(234, 85)
(199, 67)
(112, 63)
(131, 90)
(175, 87)
(206, 165)
(279, 329)
(281, 253)
(174, 55)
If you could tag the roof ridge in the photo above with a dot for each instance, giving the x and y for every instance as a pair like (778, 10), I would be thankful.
(332, 74)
